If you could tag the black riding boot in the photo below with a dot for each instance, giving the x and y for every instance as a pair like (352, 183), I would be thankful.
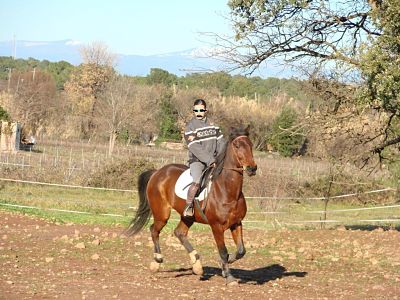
(189, 209)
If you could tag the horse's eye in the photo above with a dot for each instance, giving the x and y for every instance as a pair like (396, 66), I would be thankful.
(236, 145)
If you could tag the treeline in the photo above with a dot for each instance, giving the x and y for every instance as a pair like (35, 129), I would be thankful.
(226, 84)
(92, 101)
(59, 71)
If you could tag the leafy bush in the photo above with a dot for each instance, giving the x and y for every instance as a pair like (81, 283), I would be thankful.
(344, 183)
(160, 76)
(4, 116)
(168, 120)
(283, 136)
(120, 174)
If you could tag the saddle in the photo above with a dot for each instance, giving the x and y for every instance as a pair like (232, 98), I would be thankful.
(185, 180)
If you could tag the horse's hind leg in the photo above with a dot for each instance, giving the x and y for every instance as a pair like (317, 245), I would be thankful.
(155, 230)
(181, 232)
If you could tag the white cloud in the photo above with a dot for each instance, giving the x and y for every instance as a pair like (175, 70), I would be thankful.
(73, 43)
(206, 52)
(33, 44)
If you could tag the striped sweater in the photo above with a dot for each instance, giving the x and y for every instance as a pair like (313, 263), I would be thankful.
(204, 141)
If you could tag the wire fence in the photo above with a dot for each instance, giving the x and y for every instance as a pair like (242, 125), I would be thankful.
(257, 214)
(389, 189)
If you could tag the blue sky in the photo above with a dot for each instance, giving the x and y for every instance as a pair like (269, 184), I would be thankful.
(127, 26)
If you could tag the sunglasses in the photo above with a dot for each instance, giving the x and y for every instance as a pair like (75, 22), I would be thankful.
(199, 110)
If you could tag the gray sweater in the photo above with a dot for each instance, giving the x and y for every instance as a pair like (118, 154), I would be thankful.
(206, 143)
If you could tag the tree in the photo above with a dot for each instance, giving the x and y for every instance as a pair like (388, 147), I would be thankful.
(380, 69)
(31, 99)
(114, 107)
(160, 76)
(355, 41)
(218, 80)
(297, 29)
(282, 136)
(168, 120)
(61, 71)
(88, 82)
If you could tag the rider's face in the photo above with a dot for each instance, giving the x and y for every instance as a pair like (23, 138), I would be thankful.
(199, 111)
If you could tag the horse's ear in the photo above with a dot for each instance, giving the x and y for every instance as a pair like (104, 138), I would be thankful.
(247, 130)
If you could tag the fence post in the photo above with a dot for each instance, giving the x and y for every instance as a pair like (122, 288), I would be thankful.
(326, 199)
(70, 158)
(83, 161)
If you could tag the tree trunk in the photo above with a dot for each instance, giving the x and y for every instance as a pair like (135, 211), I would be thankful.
(113, 137)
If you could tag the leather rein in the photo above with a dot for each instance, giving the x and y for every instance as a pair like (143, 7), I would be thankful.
(239, 170)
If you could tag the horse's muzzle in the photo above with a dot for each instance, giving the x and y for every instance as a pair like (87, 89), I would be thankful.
(251, 171)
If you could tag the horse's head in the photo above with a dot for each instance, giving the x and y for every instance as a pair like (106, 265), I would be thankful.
(242, 149)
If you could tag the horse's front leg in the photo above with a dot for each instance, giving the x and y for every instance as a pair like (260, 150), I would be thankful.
(218, 233)
(237, 236)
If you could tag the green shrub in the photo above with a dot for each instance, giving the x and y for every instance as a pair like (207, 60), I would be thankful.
(4, 116)
(121, 174)
(123, 135)
(283, 137)
(168, 120)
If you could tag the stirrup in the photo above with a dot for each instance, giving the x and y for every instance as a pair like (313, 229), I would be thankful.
(189, 210)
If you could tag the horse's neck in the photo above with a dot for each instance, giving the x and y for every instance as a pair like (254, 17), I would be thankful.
(230, 159)
(230, 179)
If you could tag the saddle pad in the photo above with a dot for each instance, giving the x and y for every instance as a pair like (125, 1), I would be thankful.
(183, 183)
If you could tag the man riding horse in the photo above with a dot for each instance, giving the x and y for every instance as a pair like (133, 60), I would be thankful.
(226, 204)
(205, 141)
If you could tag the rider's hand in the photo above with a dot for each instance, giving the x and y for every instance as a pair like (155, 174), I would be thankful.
(213, 165)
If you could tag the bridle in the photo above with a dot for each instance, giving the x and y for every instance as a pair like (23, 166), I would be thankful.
(241, 169)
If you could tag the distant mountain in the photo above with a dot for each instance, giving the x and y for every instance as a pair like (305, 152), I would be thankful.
(179, 63)
(53, 51)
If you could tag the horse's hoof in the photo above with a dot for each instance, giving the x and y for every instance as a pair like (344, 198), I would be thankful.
(198, 268)
(231, 281)
(154, 266)
(231, 258)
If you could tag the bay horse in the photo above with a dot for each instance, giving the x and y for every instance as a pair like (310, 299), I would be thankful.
(225, 209)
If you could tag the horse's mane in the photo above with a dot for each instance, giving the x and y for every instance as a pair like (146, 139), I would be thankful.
(220, 159)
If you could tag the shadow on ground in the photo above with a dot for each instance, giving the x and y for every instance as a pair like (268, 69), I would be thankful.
(256, 276)
(372, 227)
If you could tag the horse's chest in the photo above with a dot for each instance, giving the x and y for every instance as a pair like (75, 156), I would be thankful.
(234, 214)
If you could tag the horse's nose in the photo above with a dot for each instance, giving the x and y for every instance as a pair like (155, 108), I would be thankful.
(251, 170)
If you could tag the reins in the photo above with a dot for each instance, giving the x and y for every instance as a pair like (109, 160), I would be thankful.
(239, 170)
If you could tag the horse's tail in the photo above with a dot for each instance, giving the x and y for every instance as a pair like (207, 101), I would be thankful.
(143, 212)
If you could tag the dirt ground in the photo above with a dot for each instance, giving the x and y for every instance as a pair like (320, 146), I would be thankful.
(43, 260)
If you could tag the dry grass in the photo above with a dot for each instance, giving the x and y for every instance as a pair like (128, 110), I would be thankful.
(277, 178)
(83, 163)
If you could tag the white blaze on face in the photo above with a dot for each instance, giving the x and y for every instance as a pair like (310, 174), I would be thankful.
(199, 111)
